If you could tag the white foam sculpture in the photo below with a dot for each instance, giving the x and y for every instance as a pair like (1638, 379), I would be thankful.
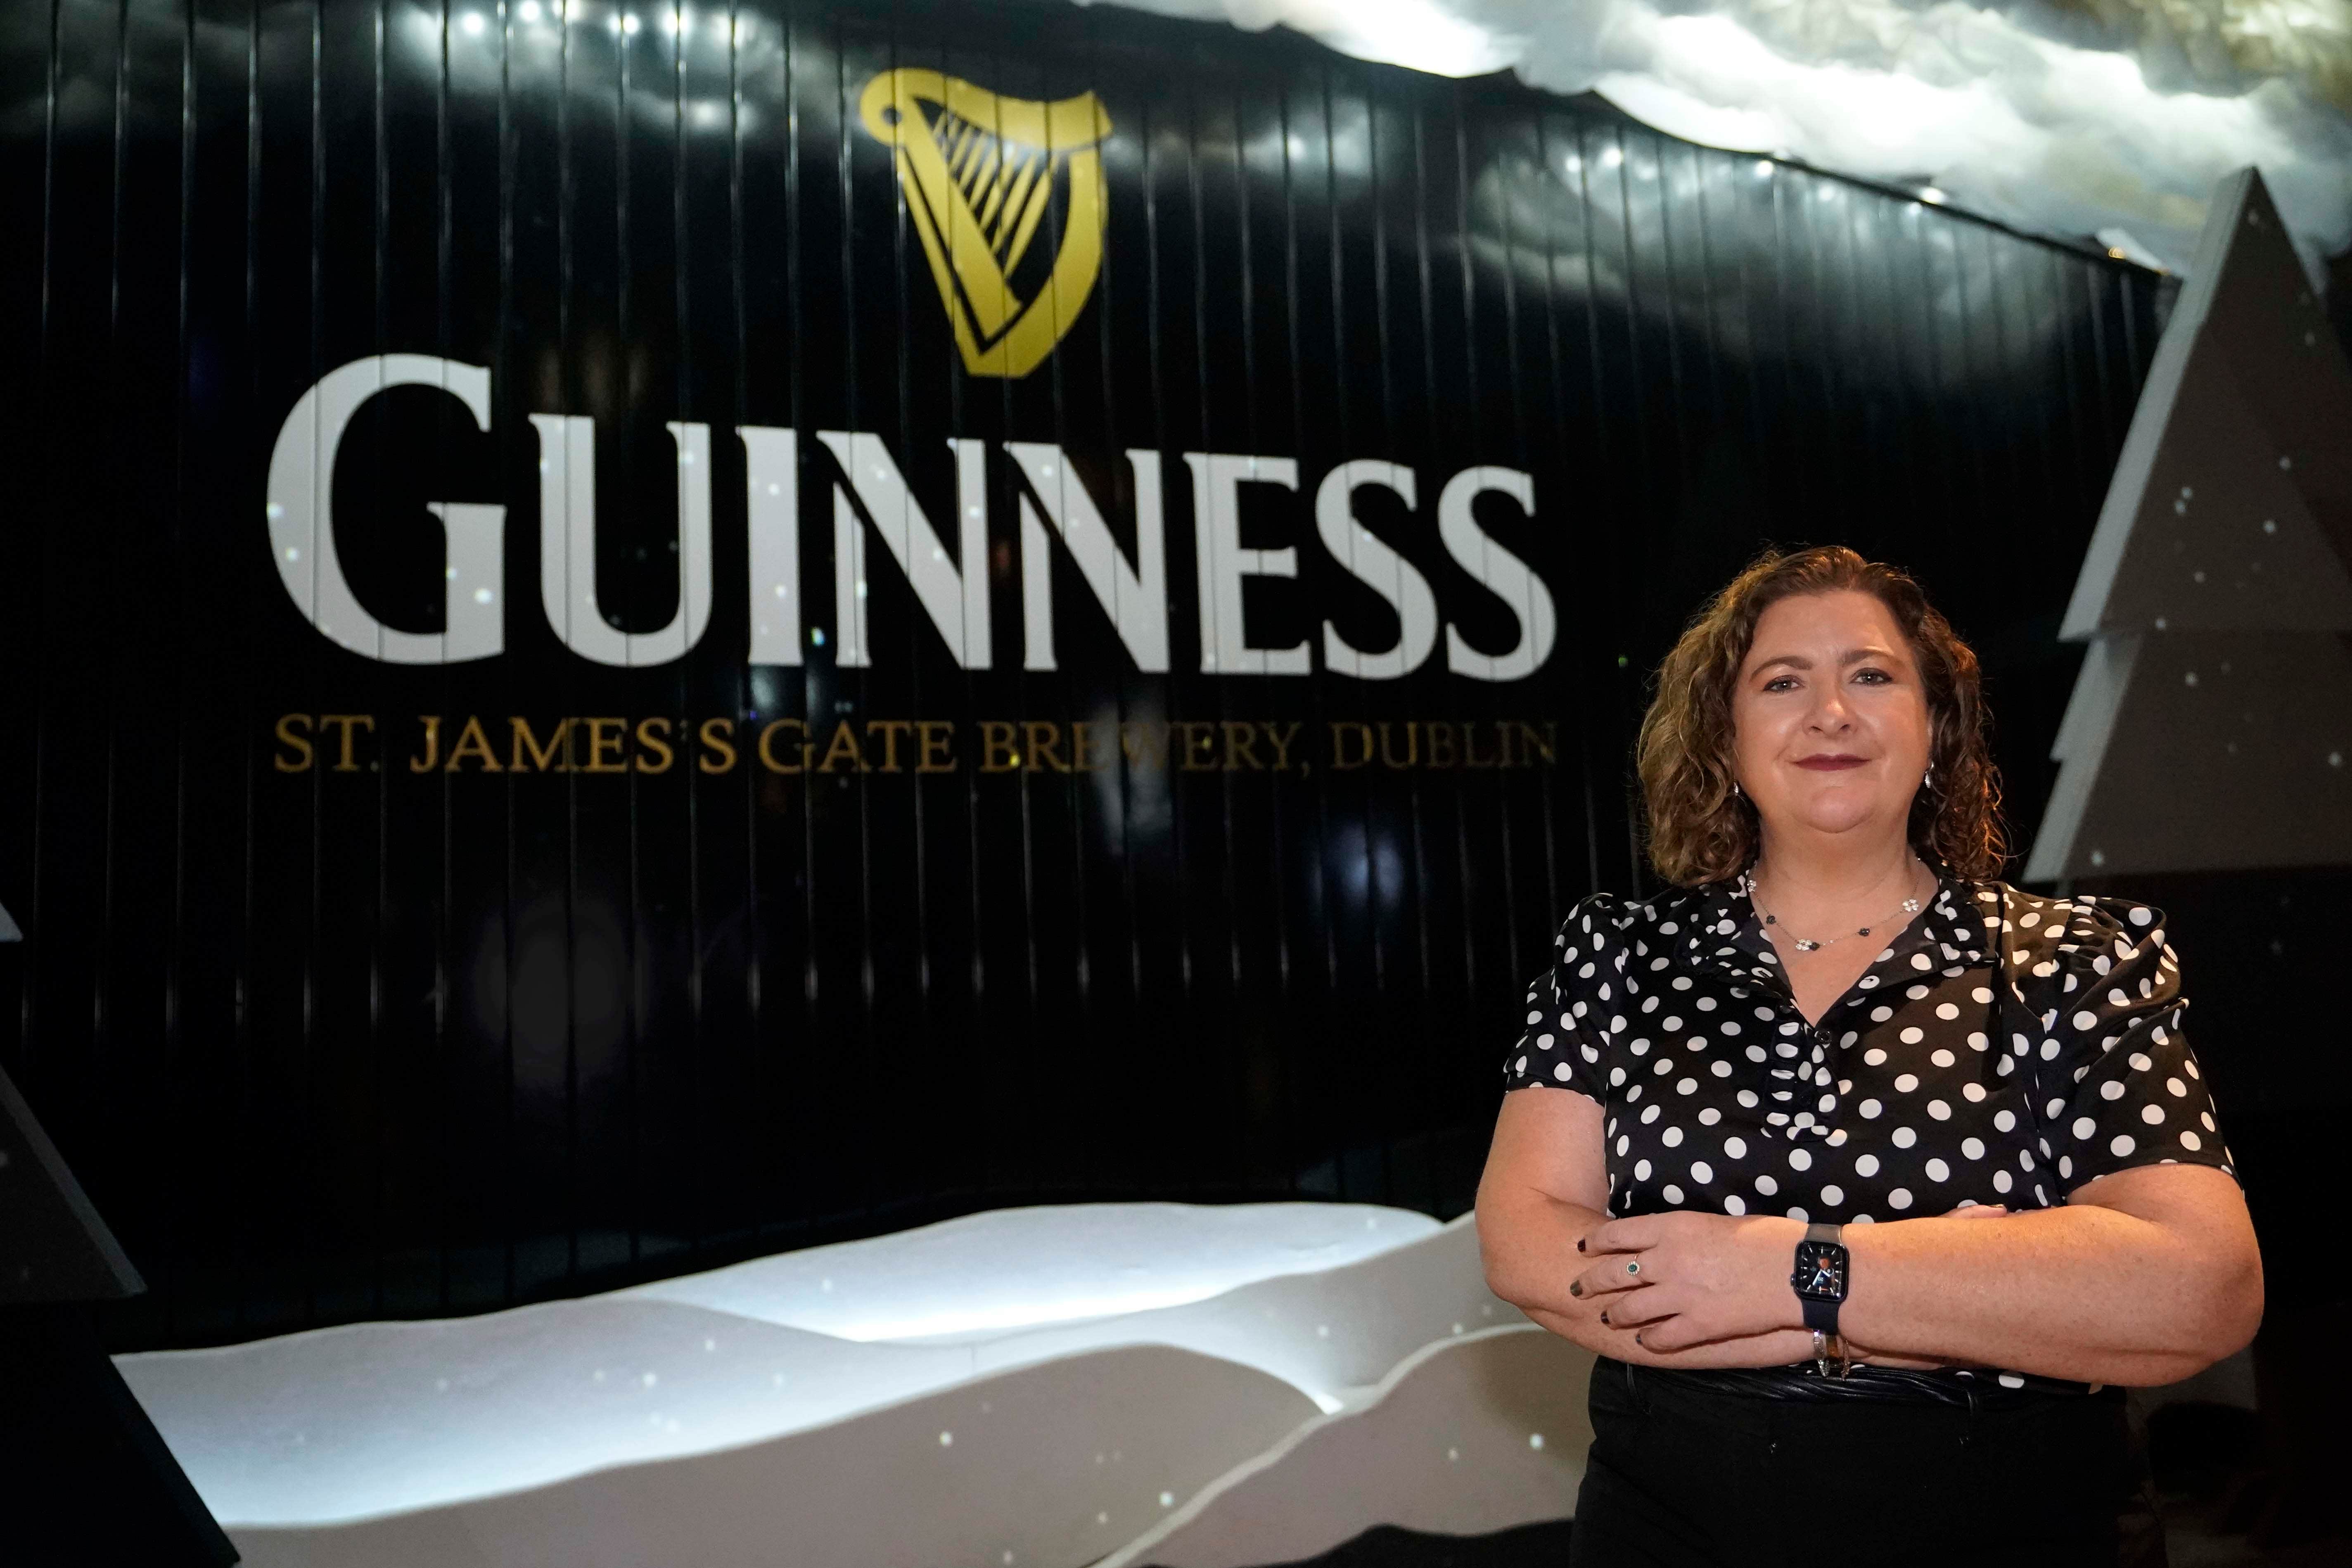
(1466, 1438)
(1000, 1390)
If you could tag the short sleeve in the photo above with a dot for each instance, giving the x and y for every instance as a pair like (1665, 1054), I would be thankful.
(1565, 1045)
(2115, 1084)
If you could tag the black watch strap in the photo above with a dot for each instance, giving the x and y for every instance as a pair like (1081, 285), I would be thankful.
(1820, 1316)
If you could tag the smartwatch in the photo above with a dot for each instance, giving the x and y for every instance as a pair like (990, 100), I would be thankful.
(1820, 1280)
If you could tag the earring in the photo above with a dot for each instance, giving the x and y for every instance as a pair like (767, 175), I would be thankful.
(1735, 789)
(1927, 779)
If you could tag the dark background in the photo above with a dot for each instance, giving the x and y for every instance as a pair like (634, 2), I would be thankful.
(326, 1046)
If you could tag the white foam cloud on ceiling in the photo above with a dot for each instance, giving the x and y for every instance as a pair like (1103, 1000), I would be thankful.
(2112, 118)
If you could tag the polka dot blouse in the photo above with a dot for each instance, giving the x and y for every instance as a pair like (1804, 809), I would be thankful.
(1970, 1063)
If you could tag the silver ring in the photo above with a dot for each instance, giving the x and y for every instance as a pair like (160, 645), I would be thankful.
(1634, 1267)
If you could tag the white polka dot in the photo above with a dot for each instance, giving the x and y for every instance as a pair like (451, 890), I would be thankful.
(2140, 1061)
(2048, 1050)
(1671, 1193)
(2175, 1088)
(1709, 1117)
(1641, 1171)
(1973, 1148)
(1912, 1035)
(1906, 1083)
(1622, 1142)
(1799, 1160)
(1736, 1147)
(1874, 1057)
(1748, 1098)
(1672, 1137)
(1880, 1015)
(1869, 1109)
(1939, 1172)
(2111, 1089)
(1865, 1165)
(1944, 1058)
(2121, 1143)
(1799, 1213)
(1735, 1205)
(1939, 1110)
(1904, 1138)
(2152, 1114)
(1947, 1010)
(1702, 1172)
(2084, 1127)
(1832, 1194)
(1900, 1198)
(1978, 1042)
(2004, 1120)
(2190, 1140)
(1766, 1185)
(2086, 1021)
(1973, 1092)
(1921, 961)
(2002, 1181)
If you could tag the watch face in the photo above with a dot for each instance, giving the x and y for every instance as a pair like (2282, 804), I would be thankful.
(1821, 1270)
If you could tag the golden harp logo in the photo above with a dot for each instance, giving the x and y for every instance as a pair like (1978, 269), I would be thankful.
(978, 170)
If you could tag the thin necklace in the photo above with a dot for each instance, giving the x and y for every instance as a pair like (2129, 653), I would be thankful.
(1808, 945)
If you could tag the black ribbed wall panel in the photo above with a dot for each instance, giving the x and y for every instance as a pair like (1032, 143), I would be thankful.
(330, 1042)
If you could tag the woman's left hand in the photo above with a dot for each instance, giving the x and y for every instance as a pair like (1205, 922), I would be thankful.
(1686, 1278)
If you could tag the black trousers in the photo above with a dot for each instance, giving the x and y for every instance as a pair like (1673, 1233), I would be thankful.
(1683, 1475)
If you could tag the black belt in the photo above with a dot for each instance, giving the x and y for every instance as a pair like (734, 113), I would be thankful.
(1882, 1385)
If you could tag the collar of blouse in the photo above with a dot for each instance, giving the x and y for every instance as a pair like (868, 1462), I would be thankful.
(1949, 935)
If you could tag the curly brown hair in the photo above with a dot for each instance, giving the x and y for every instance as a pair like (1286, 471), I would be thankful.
(1700, 831)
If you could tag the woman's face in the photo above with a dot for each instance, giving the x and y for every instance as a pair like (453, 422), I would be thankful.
(1830, 721)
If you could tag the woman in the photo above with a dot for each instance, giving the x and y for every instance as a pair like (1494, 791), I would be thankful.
(1869, 1177)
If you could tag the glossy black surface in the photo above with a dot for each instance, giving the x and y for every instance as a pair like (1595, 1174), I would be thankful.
(331, 1045)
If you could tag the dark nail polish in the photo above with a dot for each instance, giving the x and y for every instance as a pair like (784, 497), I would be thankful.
(1576, 1286)
(1604, 1315)
(1580, 1244)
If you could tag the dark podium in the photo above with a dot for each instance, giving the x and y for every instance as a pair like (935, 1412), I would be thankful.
(84, 1476)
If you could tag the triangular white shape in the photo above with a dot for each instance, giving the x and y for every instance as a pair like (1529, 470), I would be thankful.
(2212, 727)
(2231, 504)
(2202, 751)
(9, 930)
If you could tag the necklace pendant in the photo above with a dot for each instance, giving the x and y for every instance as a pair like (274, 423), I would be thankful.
(1862, 931)
(1805, 945)
(1910, 906)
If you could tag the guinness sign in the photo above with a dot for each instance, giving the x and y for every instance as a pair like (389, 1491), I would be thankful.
(642, 634)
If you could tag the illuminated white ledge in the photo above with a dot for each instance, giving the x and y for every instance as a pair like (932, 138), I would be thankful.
(391, 1418)
(992, 1274)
